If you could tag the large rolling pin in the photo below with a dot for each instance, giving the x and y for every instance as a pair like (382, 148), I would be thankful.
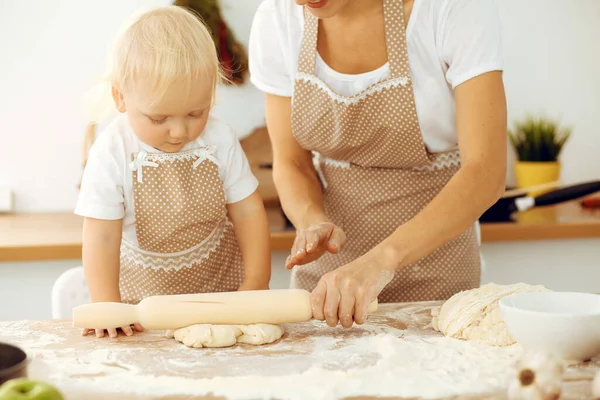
(178, 311)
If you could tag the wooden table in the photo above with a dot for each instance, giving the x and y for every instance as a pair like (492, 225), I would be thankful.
(388, 356)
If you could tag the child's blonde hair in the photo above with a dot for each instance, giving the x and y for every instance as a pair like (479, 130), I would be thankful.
(161, 46)
(156, 48)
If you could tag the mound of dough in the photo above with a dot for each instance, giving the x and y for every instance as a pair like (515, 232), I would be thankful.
(475, 314)
(203, 335)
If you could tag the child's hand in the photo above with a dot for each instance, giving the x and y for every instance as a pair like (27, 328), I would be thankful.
(112, 332)
(250, 284)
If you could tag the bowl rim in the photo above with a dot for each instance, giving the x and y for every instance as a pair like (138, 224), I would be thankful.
(503, 304)
(10, 370)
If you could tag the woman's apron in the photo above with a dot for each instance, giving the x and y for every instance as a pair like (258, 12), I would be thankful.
(186, 243)
(376, 171)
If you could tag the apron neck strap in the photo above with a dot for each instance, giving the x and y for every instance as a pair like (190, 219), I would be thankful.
(395, 36)
(308, 49)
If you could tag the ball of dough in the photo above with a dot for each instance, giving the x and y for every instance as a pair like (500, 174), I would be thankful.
(204, 335)
(475, 314)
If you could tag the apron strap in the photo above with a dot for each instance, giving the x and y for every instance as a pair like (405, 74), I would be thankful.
(308, 50)
(395, 38)
(395, 34)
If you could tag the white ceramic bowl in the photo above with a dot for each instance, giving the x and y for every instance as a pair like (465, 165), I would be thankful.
(564, 324)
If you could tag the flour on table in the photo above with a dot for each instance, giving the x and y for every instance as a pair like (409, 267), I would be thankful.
(204, 335)
(475, 314)
(383, 365)
(392, 355)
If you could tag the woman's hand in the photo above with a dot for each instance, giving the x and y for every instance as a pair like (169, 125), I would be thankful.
(112, 332)
(344, 294)
(312, 242)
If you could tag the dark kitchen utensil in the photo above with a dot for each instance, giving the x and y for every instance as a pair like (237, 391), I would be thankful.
(13, 362)
(504, 208)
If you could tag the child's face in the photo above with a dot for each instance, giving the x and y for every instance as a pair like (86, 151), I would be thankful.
(178, 118)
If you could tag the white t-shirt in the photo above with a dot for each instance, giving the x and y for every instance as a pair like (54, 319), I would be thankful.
(107, 187)
(449, 42)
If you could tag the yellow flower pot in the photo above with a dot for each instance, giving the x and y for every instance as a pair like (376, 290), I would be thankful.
(536, 173)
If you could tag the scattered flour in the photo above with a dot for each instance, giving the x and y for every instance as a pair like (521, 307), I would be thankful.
(378, 365)
(391, 356)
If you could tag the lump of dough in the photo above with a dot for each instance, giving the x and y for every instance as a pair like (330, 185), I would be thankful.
(475, 314)
(204, 335)
(259, 333)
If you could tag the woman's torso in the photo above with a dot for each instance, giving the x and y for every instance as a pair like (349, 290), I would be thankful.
(429, 29)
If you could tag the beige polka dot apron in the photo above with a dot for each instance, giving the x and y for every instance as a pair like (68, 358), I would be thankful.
(186, 243)
(376, 171)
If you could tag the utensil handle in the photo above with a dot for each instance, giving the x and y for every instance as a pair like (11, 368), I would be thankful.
(567, 193)
(526, 190)
(105, 315)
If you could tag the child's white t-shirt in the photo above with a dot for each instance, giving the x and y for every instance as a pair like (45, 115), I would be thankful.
(449, 42)
(107, 187)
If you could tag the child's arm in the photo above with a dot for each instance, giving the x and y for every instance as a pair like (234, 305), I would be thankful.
(251, 228)
(101, 264)
(101, 258)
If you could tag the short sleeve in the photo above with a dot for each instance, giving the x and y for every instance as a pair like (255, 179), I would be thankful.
(471, 39)
(266, 55)
(239, 182)
(101, 194)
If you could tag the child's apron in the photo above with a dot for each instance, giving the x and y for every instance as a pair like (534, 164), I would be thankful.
(186, 243)
(376, 171)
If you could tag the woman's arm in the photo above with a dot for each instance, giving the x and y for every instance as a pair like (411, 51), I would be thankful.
(299, 188)
(481, 129)
(345, 293)
(294, 175)
(251, 228)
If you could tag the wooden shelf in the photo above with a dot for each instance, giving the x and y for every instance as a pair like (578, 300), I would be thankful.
(57, 236)
(565, 221)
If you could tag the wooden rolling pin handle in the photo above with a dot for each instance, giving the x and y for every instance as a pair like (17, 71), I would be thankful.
(104, 315)
(172, 312)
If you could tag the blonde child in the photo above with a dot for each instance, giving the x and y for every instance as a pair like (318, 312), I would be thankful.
(169, 201)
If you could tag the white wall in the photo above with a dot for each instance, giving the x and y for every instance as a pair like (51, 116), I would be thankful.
(552, 60)
(53, 51)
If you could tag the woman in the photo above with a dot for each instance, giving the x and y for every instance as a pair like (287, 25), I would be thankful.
(388, 125)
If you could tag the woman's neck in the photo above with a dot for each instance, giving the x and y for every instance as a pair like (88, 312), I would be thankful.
(356, 8)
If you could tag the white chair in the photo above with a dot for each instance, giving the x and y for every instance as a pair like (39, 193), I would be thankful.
(69, 290)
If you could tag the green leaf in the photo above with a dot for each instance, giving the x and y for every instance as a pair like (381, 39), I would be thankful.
(538, 139)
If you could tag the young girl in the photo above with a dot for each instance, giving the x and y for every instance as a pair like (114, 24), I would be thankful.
(169, 201)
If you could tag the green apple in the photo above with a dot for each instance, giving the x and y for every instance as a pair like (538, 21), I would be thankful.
(28, 389)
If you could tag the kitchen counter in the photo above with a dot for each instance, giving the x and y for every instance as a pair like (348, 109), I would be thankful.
(57, 236)
(396, 354)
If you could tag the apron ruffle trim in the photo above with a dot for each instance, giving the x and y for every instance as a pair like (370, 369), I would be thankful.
(347, 100)
(179, 260)
(439, 161)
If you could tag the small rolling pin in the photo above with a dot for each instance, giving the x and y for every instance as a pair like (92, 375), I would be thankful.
(177, 311)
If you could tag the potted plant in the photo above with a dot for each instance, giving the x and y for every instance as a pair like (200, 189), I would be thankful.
(538, 143)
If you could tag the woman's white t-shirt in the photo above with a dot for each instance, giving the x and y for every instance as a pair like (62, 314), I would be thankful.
(449, 42)
(107, 185)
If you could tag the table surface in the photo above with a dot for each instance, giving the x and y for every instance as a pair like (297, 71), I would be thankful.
(396, 355)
